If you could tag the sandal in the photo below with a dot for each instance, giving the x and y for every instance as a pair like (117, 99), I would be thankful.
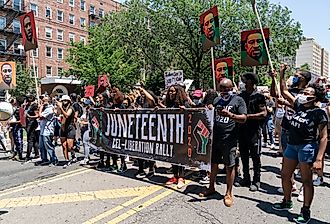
(208, 192)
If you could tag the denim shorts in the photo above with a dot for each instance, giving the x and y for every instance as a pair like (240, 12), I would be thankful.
(305, 153)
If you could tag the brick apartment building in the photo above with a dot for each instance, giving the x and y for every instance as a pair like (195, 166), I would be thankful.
(58, 22)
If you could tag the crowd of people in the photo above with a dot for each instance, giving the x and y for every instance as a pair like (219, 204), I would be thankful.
(245, 120)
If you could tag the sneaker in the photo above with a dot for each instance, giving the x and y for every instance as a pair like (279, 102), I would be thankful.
(122, 169)
(283, 206)
(67, 165)
(318, 181)
(84, 162)
(205, 180)
(113, 168)
(181, 183)
(272, 146)
(150, 174)
(255, 186)
(264, 145)
(304, 216)
(228, 200)
(297, 174)
(172, 180)
(141, 175)
(243, 183)
(301, 195)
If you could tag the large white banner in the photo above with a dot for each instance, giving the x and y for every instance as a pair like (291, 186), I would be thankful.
(173, 77)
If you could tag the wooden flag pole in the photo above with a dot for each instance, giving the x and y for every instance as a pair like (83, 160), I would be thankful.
(213, 71)
(35, 75)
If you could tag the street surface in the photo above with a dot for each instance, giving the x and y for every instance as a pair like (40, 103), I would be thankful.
(34, 194)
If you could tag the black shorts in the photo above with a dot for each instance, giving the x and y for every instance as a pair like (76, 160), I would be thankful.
(224, 152)
(69, 133)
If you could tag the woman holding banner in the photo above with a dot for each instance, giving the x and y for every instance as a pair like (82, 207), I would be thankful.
(176, 97)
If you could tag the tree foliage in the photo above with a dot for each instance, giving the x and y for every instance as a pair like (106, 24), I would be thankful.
(158, 35)
(25, 82)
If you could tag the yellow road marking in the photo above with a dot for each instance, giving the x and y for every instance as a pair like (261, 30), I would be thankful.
(44, 181)
(138, 208)
(75, 197)
(122, 206)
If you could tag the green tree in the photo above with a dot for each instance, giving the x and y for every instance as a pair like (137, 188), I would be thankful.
(102, 55)
(25, 82)
(159, 35)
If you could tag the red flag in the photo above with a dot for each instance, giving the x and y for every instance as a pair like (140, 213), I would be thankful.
(89, 91)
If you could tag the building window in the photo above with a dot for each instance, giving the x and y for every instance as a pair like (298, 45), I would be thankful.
(17, 5)
(48, 70)
(71, 19)
(49, 32)
(91, 23)
(35, 53)
(3, 45)
(32, 71)
(101, 13)
(34, 8)
(17, 49)
(2, 2)
(60, 1)
(49, 52)
(82, 22)
(71, 3)
(82, 39)
(71, 37)
(16, 26)
(60, 35)
(60, 15)
(60, 53)
(92, 10)
(82, 5)
(2, 23)
(48, 12)
(60, 71)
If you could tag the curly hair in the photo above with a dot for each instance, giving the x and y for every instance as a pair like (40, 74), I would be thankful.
(180, 97)
(319, 91)
(210, 96)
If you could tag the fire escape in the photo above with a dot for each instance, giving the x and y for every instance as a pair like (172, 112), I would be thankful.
(10, 32)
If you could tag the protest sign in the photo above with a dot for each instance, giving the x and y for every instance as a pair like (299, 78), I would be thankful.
(168, 135)
(8, 75)
(173, 77)
(29, 34)
(89, 91)
(253, 49)
(209, 23)
(223, 69)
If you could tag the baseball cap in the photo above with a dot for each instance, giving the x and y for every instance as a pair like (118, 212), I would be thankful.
(198, 93)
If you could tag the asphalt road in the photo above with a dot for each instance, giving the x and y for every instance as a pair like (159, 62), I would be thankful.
(34, 194)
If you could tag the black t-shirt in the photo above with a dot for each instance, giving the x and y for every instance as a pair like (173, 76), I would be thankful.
(224, 127)
(270, 103)
(17, 117)
(253, 103)
(288, 110)
(77, 108)
(32, 122)
(304, 124)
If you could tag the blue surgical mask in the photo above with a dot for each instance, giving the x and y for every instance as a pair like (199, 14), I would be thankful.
(295, 81)
(327, 95)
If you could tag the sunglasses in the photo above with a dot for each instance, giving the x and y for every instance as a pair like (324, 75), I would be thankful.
(6, 70)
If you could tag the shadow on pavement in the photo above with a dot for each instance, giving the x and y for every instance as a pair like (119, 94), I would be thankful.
(194, 191)
(267, 207)
(3, 212)
(273, 169)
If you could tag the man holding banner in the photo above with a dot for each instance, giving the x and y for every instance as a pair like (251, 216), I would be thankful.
(230, 110)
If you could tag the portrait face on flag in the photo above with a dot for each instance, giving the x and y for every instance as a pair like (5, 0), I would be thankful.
(8, 75)
(29, 34)
(253, 49)
(223, 69)
(209, 23)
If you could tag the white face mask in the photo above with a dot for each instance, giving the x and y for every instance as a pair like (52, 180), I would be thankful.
(302, 99)
(242, 86)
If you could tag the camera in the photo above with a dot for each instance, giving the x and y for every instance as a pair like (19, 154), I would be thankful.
(219, 107)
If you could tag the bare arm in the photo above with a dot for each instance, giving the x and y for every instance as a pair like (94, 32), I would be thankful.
(258, 116)
(284, 89)
(66, 114)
